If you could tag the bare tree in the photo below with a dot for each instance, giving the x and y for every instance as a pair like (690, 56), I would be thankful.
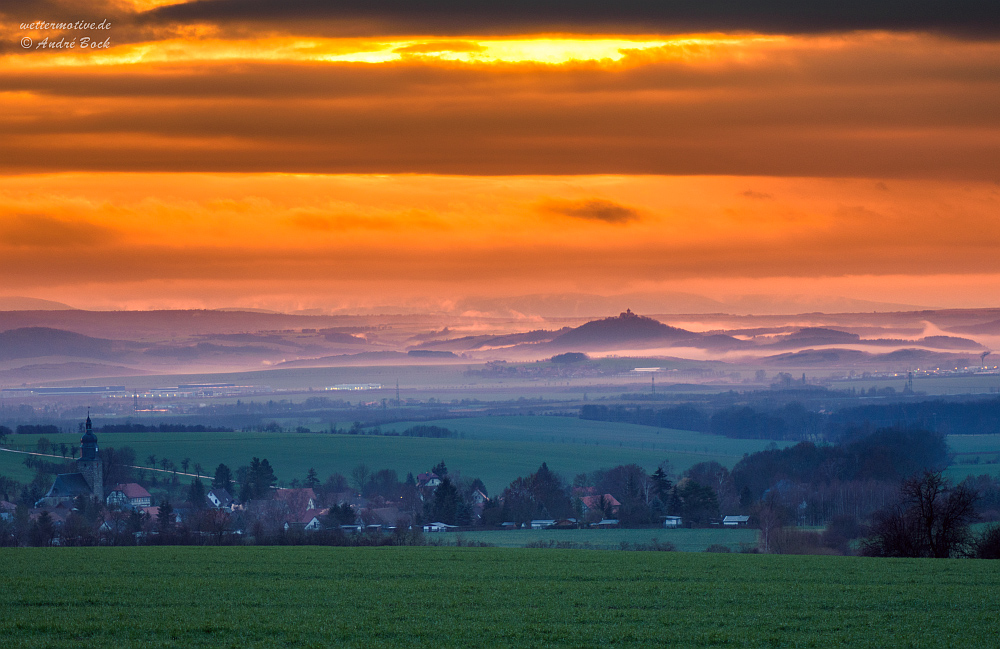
(359, 477)
(931, 519)
(769, 525)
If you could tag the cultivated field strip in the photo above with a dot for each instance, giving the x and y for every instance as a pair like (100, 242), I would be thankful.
(486, 597)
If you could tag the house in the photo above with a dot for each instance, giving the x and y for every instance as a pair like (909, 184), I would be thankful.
(672, 521)
(115, 522)
(154, 514)
(298, 500)
(268, 516)
(542, 524)
(7, 510)
(439, 527)
(58, 514)
(735, 521)
(220, 499)
(128, 496)
(383, 516)
(509, 525)
(307, 521)
(602, 504)
(478, 497)
(350, 498)
(429, 480)
(607, 523)
(426, 484)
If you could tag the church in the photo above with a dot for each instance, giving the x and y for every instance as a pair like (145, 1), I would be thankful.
(88, 481)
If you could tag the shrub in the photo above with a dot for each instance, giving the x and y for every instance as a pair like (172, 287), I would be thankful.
(988, 545)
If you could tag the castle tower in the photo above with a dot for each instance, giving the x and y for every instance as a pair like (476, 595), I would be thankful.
(89, 464)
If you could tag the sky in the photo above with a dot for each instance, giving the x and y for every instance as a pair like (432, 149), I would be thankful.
(341, 155)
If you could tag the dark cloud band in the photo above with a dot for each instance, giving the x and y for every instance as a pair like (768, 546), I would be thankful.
(370, 17)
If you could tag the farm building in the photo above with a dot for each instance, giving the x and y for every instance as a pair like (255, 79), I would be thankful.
(129, 496)
(439, 527)
(735, 521)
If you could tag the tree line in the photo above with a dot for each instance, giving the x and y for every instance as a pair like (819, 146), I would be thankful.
(793, 421)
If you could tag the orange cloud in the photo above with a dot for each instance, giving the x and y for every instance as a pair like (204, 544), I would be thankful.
(440, 46)
(483, 233)
(39, 231)
(592, 209)
(789, 107)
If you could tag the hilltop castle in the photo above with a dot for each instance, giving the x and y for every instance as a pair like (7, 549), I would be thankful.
(88, 481)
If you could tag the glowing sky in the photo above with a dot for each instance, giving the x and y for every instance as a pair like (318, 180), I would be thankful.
(283, 155)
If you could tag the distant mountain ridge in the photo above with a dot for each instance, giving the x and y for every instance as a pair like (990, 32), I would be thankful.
(625, 328)
(34, 342)
(19, 303)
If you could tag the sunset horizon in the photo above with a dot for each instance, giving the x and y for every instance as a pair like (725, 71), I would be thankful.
(308, 155)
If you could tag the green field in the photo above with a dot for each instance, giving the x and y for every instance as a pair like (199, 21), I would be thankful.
(572, 430)
(986, 449)
(496, 462)
(486, 597)
(685, 540)
(12, 466)
(495, 449)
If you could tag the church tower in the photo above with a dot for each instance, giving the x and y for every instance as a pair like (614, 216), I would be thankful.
(89, 464)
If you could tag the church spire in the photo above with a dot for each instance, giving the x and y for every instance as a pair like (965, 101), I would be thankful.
(89, 463)
(88, 445)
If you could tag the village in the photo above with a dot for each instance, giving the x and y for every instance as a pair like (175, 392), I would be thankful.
(86, 508)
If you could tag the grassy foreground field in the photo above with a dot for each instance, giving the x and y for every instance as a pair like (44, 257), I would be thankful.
(486, 597)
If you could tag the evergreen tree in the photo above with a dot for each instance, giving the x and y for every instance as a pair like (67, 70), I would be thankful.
(342, 514)
(42, 530)
(661, 485)
(312, 480)
(223, 478)
(695, 502)
(259, 480)
(165, 517)
(446, 505)
(548, 491)
(196, 494)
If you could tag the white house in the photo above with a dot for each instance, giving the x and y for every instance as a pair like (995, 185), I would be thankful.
(220, 499)
(734, 521)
